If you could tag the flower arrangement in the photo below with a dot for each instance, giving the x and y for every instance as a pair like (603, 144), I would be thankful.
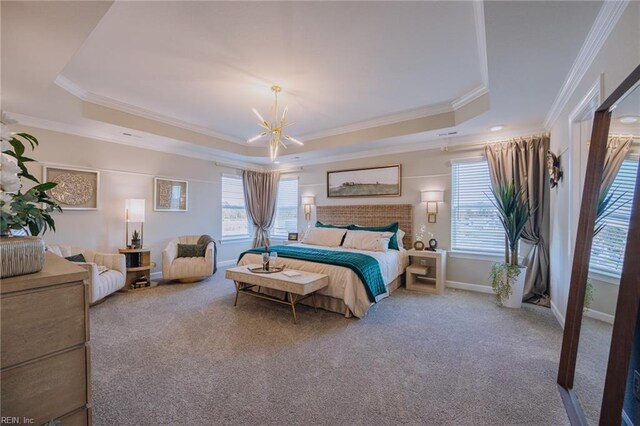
(29, 210)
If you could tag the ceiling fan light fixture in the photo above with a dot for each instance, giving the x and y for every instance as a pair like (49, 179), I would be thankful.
(274, 129)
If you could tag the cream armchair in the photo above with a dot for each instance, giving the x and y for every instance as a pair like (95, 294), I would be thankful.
(100, 284)
(187, 269)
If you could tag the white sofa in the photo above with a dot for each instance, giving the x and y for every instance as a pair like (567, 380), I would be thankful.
(100, 285)
(187, 269)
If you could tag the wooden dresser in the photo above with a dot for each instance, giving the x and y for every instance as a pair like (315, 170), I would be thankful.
(45, 359)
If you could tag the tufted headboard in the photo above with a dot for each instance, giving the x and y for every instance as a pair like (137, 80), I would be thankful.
(370, 215)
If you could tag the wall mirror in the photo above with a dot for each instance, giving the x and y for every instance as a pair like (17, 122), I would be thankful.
(604, 293)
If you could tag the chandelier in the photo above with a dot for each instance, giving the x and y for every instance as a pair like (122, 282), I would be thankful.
(275, 128)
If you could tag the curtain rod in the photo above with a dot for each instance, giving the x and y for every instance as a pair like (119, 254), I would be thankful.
(478, 145)
(254, 169)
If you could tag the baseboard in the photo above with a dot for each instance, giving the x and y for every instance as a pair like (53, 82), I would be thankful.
(155, 275)
(227, 263)
(470, 287)
(557, 314)
(601, 316)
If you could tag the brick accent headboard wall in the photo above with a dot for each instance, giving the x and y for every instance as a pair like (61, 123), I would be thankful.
(370, 215)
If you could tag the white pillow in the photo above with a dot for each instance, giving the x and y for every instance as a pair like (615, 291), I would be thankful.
(330, 237)
(367, 240)
(401, 235)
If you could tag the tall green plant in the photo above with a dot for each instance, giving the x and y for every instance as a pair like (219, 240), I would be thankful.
(513, 211)
(32, 208)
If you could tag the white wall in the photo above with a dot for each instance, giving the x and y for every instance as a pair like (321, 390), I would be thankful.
(421, 170)
(617, 58)
(127, 172)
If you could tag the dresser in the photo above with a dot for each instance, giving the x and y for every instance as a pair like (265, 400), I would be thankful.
(45, 368)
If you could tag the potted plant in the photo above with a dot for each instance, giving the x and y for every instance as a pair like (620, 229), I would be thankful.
(135, 240)
(22, 212)
(507, 279)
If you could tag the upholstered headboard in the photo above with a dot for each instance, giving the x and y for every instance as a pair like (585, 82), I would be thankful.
(370, 215)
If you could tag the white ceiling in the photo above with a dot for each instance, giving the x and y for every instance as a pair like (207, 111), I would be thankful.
(199, 67)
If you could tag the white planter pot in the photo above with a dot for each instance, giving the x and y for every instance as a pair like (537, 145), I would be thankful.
(515, 300)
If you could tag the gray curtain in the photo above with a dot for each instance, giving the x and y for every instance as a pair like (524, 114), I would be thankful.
(523, 162)
(260, 196)
(617, 150)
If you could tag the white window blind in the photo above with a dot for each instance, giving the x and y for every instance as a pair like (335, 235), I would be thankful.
(234, 213)
(607, 250)
(475, 226)
(286, 209)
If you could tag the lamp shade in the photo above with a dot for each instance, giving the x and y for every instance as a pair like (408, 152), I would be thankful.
(432, 196)
(134, 208)
(309, 200)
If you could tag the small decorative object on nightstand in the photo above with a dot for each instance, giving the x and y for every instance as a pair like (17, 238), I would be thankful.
(418, 245)
(292, 236)
(427, 271)
(138, 268)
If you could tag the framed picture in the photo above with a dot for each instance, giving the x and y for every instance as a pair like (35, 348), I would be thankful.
(293, 236)
(170, 195)
(77, 189)
(382, 181)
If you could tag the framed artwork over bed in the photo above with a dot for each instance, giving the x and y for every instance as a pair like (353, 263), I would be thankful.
(383, 181)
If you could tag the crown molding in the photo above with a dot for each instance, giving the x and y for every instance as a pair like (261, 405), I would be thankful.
(469, 97)
(605, 22)
(104, 101)
(481, 38)
(190, 150)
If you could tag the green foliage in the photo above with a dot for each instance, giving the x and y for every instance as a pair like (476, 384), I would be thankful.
(588, 294)
(503, 278)
(606, 206)
(30, 209)
(513, 211)
(135, 235)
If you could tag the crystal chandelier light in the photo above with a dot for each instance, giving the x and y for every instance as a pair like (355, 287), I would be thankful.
(275, 128)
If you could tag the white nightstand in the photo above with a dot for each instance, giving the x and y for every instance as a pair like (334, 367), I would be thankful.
(427, 270)
(287, 242)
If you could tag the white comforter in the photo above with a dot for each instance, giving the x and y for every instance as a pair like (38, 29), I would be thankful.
(343, 282)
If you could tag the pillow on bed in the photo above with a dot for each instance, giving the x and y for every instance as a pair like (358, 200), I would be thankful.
(401, 235)
(330, 237)
(367, 240)
(393, 242)
(328, 225)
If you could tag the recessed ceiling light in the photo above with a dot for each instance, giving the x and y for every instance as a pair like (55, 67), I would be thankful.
(496, 128)
(628, 119)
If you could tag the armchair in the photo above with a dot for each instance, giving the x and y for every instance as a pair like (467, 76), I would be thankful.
(100, 284)
(187, 269)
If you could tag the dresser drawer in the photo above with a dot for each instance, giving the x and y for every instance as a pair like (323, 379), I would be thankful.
(40, 322)
(47, 388)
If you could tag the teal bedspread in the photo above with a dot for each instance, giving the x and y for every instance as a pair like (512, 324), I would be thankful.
(365, 267)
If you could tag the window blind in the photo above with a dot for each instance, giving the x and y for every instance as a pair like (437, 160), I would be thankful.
(475, 226)
(286, 219)
(607, 250)
(234, 213)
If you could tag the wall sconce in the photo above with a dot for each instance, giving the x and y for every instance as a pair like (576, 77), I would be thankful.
(134, 212)
(432, 198)
(307, 202)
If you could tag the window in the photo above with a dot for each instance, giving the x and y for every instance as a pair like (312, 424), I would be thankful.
(234, 213)
(286, 209)
(607, 250)
(475, 226)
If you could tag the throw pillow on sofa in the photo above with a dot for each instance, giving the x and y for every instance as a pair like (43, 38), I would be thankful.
(191, 250)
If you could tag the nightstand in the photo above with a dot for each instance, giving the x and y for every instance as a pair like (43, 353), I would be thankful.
(427, 270)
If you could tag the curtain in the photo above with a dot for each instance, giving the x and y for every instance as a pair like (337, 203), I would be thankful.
(260, 196)
(523, 162)
(617, 150)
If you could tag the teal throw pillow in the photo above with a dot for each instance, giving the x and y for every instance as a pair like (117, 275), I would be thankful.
(393, 242)
(191, 250)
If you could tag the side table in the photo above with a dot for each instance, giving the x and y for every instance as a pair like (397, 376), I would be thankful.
(138, 266)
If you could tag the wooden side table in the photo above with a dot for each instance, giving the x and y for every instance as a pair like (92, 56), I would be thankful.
(138, 265)
(427, 270)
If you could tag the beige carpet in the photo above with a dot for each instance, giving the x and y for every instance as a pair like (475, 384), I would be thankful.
(183, 355)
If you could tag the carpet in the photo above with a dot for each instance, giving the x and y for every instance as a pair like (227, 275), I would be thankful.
(182, 354)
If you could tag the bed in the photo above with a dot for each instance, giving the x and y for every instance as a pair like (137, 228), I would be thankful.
(346, 294)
